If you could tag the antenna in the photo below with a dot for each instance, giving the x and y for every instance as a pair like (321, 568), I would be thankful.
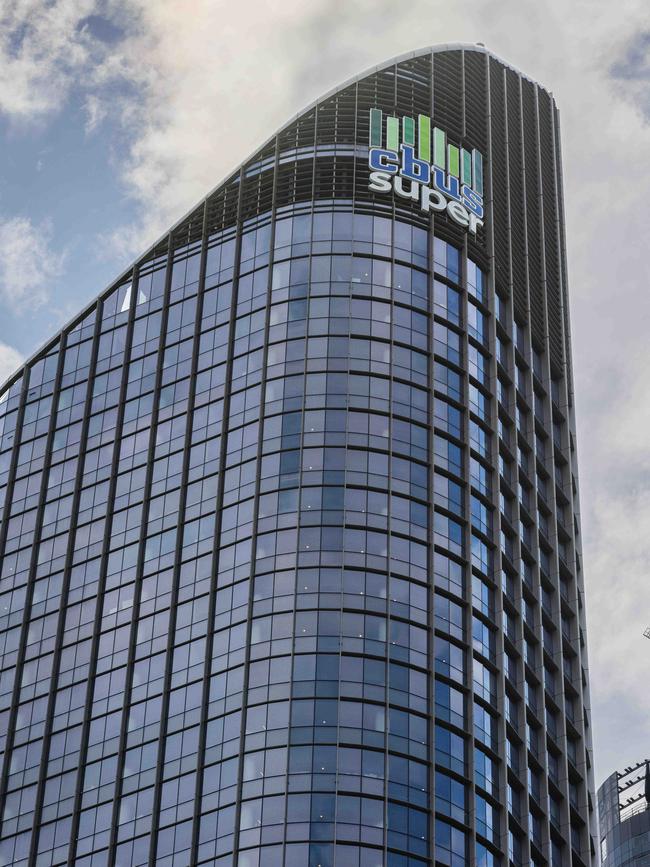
(646, 632)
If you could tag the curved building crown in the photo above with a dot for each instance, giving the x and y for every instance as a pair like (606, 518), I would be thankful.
(290, 553)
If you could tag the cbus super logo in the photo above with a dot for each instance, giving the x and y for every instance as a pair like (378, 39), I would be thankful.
(436, 174)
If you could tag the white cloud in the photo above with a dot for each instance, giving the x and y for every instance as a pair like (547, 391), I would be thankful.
(28, 264)
(42, 48)
(96, 111)
(199, 100)
(10, 361)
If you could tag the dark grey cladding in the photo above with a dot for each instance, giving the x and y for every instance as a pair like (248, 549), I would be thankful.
(290, 548)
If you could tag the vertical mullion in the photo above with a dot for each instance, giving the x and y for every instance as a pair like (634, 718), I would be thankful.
(573, 505)
(256, 497)
(122, 748)
(31, 580)
(4, 526)
(477, 171)
(431, 549)
(13, 466)
(67, 572)
(468, 613)
(541, 287)
(292, 654)
(83, 750)
(389, 489)
(523, 203)
(581, 657)
(217, 532)
(517, 603)
(169, 653)
(494, 417)
(527, 324)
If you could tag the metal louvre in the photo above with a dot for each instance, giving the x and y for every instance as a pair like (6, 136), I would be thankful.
(335, 119)
(551, 222)
(499, 169)
(413, 84)
(447, 93)
(222, 207)
(298, 134)
(517, 201)
(190, 232)
(534, 243)
(375, 91)
(476, 84)
(257, 186)
(295, 182)
(475, 121)
(562, 294)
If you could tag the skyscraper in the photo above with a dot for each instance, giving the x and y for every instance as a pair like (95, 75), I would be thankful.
(291, 567)
(624, 817)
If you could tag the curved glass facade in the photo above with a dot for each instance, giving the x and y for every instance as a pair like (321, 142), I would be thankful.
(624, 818)
(290, 553)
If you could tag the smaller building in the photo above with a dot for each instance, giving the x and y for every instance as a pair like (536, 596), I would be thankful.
(624, 817)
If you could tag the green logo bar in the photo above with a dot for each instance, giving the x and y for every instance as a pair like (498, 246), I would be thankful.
(424, 137)
(439, 148)
(453, 155)
(392, 133)
(408, 131)
(375, 128)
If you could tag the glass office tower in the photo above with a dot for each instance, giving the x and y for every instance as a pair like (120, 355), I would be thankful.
(624, 817)
(291, 567)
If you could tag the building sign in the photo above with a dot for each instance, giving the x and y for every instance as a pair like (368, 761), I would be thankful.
(430, 171)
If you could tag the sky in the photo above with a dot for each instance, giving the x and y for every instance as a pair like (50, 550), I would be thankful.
(117, 116)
